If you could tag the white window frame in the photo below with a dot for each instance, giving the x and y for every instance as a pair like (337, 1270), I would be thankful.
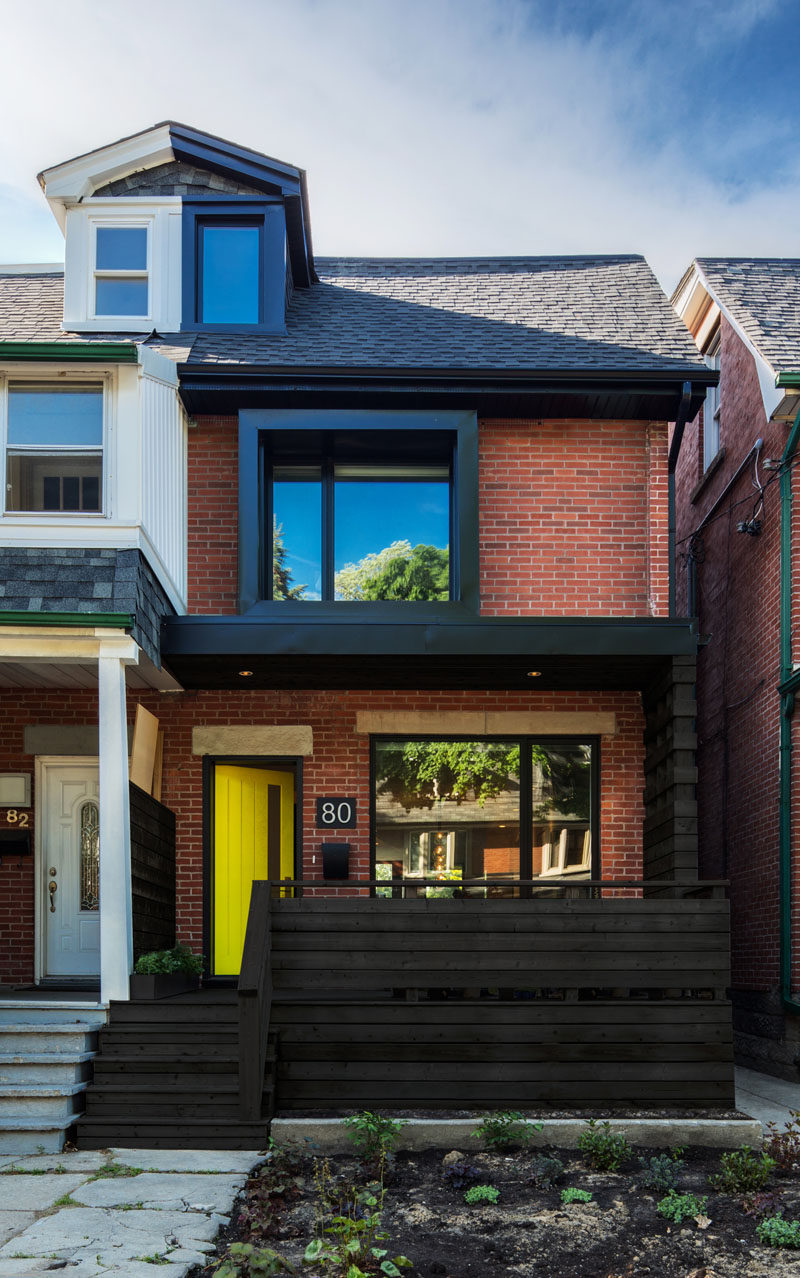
(555, 866)
(711, 405)
(162, 218)
(106, 379)
(109, 223)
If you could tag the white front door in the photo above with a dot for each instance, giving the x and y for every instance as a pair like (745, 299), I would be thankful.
(69, 848)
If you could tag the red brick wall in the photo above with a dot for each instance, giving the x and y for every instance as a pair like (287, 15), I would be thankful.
(339, 765)
(213, 515)
(573, 518)
(738, 665)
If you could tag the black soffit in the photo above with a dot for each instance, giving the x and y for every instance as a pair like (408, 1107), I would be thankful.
(212, 653)
(228, 389)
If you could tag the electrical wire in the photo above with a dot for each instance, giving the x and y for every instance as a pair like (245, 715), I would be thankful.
(726, 510)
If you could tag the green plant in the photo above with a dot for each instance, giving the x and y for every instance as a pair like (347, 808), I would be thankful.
(481, 1194)
(742, 1172)
(777, 1232)
(161, 962)
(245, 1259)
(783, 1144)
(678, 1207)
(374, 1135)
(546, 1169)
(112, 1170)
(354, 1233)
(661, 1172)
(602, 1148)
(573, 1195)
(65, 1201)
(505, 1129)
(156, 1258)
(459, 1175)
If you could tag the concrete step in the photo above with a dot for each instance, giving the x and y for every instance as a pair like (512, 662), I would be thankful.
(24, 1037)
(54, 1011)
(47, 1102)
(45, 1067)
(34, 1135)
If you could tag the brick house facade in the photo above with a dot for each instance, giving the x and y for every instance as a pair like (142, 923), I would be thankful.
(728, 575)
(539, 392)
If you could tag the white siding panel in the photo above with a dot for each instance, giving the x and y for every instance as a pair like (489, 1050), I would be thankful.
(164, 517)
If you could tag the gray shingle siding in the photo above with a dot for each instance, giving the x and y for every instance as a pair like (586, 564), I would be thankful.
(176, 178)
(38, 579)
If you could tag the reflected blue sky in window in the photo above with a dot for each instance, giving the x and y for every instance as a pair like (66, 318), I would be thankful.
(230, 274)
(121, 248)
(297, 510)
(121, 297)
(371, 515)
(368, 515)
(64, 416)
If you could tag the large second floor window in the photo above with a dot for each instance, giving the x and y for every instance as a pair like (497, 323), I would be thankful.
(54, 448)
(347, 528)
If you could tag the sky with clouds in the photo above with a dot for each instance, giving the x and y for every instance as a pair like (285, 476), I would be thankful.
(438, 127)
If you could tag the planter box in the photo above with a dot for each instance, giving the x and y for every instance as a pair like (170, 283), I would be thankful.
(163, 985)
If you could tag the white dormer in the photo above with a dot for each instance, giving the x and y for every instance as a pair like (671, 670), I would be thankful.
(145, 251)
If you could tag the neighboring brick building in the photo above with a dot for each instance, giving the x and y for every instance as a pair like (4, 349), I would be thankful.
(734, 575)
(407, 525)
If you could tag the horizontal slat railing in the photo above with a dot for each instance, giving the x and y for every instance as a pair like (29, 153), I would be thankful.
(255, 997)
(471, 1000)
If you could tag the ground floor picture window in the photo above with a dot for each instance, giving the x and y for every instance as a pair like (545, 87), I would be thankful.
(501, 810)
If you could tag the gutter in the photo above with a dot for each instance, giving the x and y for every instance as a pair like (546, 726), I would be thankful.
(790, 682)
(112, 620)
(674, 452)
(105, 352)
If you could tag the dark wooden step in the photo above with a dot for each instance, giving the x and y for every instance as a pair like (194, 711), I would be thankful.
(167, 1012)
(137, 1133)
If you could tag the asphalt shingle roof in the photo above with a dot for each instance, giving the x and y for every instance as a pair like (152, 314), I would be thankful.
(526, 314)
(762, 294)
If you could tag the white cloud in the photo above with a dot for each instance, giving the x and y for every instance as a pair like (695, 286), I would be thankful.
(435, 126)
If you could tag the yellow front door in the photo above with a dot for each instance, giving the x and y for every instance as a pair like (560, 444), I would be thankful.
(253, 839)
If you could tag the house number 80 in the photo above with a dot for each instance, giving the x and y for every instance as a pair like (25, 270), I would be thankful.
(336, 813)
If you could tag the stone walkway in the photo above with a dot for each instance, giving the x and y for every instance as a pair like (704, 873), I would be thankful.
(768, 1099)
(124, 1211)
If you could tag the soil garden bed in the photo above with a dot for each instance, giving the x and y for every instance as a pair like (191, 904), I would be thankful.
(529, 1230)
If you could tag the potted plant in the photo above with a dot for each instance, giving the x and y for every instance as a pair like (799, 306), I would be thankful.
(162, 973)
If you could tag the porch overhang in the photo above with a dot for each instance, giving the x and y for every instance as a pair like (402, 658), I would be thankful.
(330, 651)
(616, 395)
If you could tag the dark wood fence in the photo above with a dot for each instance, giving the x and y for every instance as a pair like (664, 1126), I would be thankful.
(509, 1002)
(152, 873)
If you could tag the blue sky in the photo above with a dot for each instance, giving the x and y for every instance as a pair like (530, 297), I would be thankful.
(665, 127)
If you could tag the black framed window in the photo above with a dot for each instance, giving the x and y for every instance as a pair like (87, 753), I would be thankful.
(358, 508)
(499, 809)
(346, 528)
(234, 265)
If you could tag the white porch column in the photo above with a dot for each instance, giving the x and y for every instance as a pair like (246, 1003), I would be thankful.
(116, 920)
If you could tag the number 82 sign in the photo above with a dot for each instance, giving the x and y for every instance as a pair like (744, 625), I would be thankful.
(336, 814)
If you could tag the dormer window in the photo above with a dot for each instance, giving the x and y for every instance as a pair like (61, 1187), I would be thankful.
(229, 270)
(234, 266)
(121, 270)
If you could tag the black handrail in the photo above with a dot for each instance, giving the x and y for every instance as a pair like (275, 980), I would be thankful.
(255, 1002)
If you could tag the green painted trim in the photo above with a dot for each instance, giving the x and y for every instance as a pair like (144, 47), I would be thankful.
(114, 620)
(69, 352)
(788, 379)
(787, 705)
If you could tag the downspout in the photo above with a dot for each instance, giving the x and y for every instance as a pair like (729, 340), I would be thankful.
(674, 450)
(790, 682)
